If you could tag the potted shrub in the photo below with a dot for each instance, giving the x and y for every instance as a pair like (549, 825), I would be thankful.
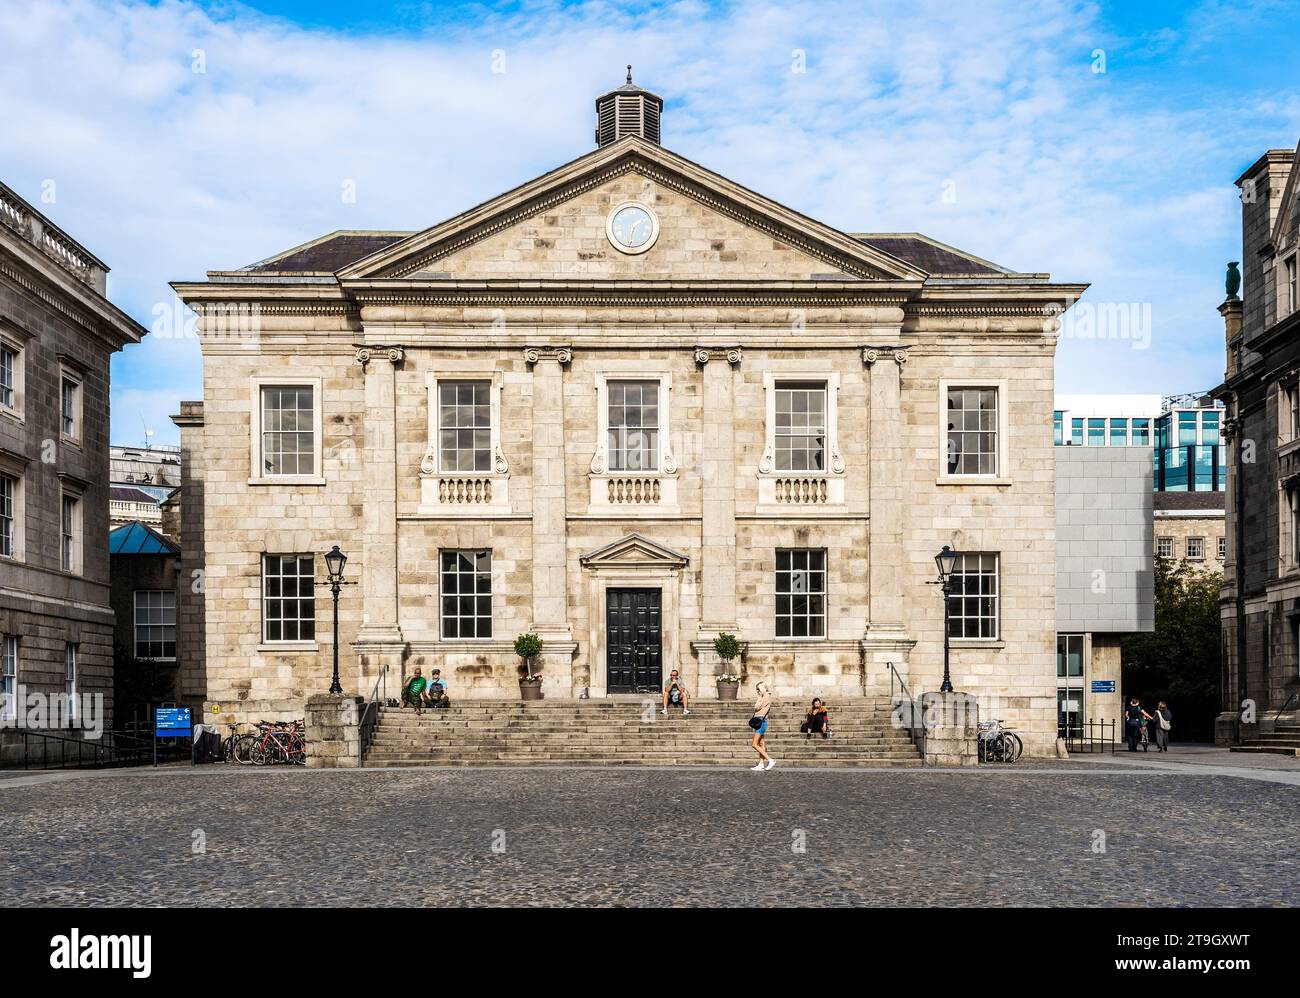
(727, 648)
(528, 647)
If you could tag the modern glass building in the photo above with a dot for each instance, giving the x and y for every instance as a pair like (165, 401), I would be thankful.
(1184, 432)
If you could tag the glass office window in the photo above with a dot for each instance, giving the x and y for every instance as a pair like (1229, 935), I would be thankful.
(1119, 432)
(1141, 432)
(1096, 433)
(1076, 432)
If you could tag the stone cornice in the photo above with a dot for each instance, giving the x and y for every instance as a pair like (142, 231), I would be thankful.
(594, 295)
(115, 327)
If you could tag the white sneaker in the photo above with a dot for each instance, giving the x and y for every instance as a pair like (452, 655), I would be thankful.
(758, 767)
(664, 712)
(685, 712)
(771, 763)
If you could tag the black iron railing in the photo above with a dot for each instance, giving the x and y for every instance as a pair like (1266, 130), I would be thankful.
(42, 750)
(1090, 736)
(902, 702)
(370, 713)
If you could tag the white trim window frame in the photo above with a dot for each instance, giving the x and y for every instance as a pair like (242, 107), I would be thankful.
(13, 367)
(805, 490)
(451, 490)
(71, 532)
(974, 429)
(975, 597)
(8, 676)
(11, 513)
(72, 394)
(154, 617)
(1221, 543)
(627, 490)
(288, 599)
(70, 680)
(1195, 549)
(259, 474)
(1290, 284)
(1164, 547)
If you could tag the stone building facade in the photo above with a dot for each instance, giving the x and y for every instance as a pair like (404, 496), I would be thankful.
(1261, 592)
(627, 406)
(57, 333)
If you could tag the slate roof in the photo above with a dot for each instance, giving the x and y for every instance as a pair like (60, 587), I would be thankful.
(136, 538)
(327, 254)
(127, 493)
(1209, 502)
(928, 254)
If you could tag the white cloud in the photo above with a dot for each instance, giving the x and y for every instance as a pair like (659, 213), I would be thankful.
(166, 173)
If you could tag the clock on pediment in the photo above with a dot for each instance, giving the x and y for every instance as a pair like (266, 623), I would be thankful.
(632, 227)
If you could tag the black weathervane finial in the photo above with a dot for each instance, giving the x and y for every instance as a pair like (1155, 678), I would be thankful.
(629, 72)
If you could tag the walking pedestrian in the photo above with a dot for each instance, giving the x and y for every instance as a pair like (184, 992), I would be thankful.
(1164, 720)
(758, 741)
(1135, 719)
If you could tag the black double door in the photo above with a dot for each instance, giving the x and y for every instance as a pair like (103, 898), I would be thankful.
(633, 641)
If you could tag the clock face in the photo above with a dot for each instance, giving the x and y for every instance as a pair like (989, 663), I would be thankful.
(633, 228)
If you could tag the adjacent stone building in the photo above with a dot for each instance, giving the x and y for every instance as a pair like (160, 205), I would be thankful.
(57, 333)
(627, 405)
(1261, 593)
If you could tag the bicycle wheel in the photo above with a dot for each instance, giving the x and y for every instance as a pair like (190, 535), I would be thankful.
(244, 749)
(259, 754)
(1015, 746)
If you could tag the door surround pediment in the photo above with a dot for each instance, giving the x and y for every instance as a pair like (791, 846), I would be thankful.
(634, 551)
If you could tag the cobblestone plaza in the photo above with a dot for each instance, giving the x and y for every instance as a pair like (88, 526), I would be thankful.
(1033, 835)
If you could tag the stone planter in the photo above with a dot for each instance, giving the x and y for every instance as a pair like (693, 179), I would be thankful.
(529, 691)
(728, 691)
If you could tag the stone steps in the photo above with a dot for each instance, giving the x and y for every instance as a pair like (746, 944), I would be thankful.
(1292, 749)
(621, 733)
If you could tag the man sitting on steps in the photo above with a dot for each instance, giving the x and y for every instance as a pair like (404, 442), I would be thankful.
(435, 694)
(675, 692)
(413, 691)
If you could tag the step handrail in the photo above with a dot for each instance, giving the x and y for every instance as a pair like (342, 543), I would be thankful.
(370, 716)
(1282, 710)
(907, 698)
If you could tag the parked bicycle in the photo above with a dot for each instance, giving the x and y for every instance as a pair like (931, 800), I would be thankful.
(279, 742)
(273, 742)
(998, 744)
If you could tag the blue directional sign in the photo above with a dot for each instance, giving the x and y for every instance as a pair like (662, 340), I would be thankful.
(1103, 686)
(171, 722)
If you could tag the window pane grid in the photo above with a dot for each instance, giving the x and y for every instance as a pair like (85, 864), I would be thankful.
(155, 624)
(68, 405)
(8, 361)
(800, 593)
(68, 535)
(800, 432)
(633, 426)
(972, 431)
(973, 597)
(288, 431)
(288, 598)
(465, 426)
(8, 488)
(467, 594)
(8, 675)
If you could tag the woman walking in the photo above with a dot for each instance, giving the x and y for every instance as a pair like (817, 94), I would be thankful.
(757, 741)
(1162, 723)
(1135, 724)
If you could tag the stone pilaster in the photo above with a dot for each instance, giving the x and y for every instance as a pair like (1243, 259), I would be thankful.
(718, 467)
(550, 527)
(333, 731)
(379, 641)
(886, 639)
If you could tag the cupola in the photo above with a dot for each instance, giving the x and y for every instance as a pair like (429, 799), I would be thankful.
(629, 110)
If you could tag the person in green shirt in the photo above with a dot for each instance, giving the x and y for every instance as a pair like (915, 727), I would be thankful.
(413, 691)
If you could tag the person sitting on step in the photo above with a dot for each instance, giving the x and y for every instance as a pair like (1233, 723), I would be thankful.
(435, 695)
(675, 692)
(817, 720)
(413, 691)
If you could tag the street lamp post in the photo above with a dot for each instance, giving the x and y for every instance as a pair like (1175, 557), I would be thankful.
(334, 562)
(946, 560)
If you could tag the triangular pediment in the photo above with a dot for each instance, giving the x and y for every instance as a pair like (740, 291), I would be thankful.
(634, 550)
(554, 227)
(1284, 233)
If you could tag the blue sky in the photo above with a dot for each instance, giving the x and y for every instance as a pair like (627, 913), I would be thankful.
(182, 137)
